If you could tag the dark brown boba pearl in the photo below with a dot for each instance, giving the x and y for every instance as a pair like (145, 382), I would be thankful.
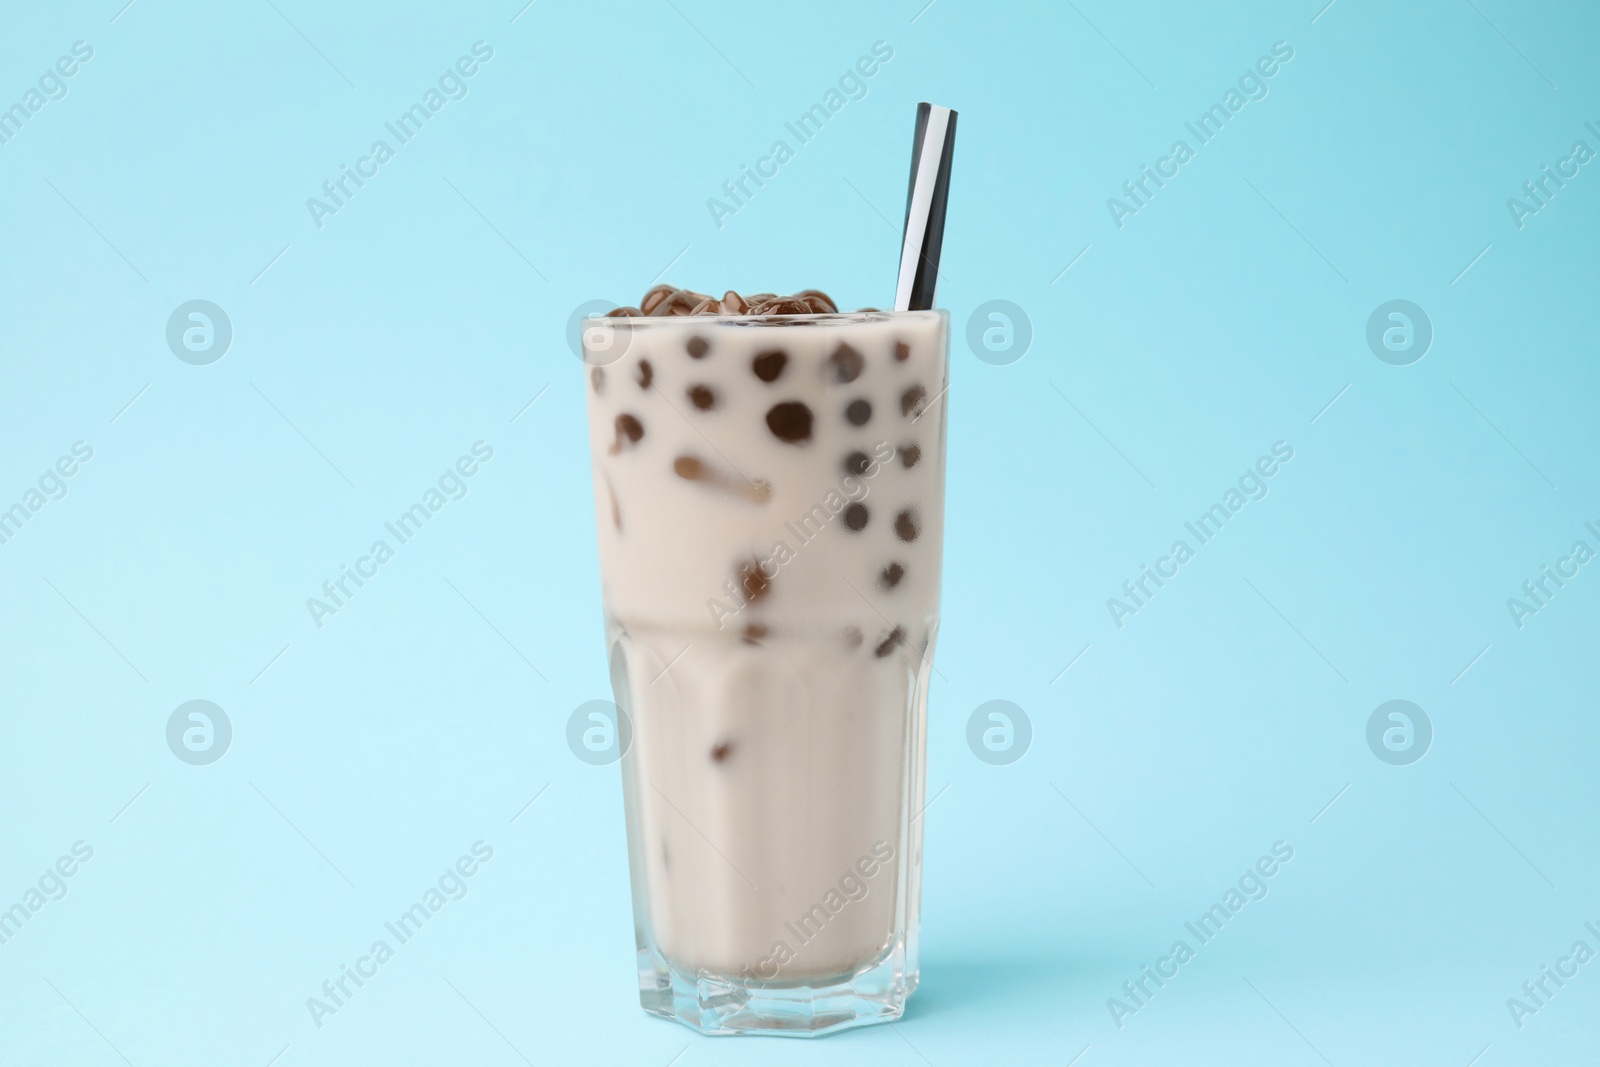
(909, 456)
(702, 397)
(755, 584)
(913, 400)
(597, 378)
(887, 645)
(698, 347)
(852, 637)
(902, 351)
(790, 421)
(847, 364)
(646, 372)
(628, 427)
(654, 297)
(768, 365)
(721, 750)
(905, 525)
(820, 302)
(677, 302)
(754, 633)
(858, 412)
(855, 517)
(857, 463)
(694, 469)
(783, 305)
(890, 576)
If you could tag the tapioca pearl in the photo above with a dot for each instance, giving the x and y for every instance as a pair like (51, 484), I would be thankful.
(905, 525)
(654, 297)
(913, 400)
(857, 463)
(909, 454)
(790, 421)
(890, 576)
(597, 378)
(889, 643)
(857, 412)
(752, 581)
(721, 751)
(646, 372)
(702, 397)
(769, 365)
(846, 364)
(628, 427)
(698, 347)
(852, 637)
(692, 468)
(902, 351)
(855, 517)
(820, 302)
(783, 305)
(754, 633)
(678, 302)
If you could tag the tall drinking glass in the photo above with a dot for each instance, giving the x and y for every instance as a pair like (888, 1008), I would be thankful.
(770, 503)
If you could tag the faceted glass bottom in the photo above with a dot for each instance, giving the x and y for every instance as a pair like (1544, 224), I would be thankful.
(714, 1004)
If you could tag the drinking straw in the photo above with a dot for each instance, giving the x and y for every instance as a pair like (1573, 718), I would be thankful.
(931, 150)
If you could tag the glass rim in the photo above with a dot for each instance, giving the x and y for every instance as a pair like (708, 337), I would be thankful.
(828, 318)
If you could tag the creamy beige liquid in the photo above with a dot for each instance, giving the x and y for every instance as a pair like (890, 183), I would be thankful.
(771, 580)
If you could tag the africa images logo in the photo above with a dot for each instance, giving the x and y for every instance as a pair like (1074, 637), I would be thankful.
(199, 733)
(199, 332)
(337, 192)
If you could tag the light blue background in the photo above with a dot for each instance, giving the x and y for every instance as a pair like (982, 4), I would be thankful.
(1226, 315)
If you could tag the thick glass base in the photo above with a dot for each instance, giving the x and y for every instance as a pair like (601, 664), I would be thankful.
(715, 1004)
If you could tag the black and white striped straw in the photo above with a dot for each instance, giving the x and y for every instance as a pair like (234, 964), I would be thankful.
(925, 203)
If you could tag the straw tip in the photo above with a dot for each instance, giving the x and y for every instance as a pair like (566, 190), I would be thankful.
(926, 198)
